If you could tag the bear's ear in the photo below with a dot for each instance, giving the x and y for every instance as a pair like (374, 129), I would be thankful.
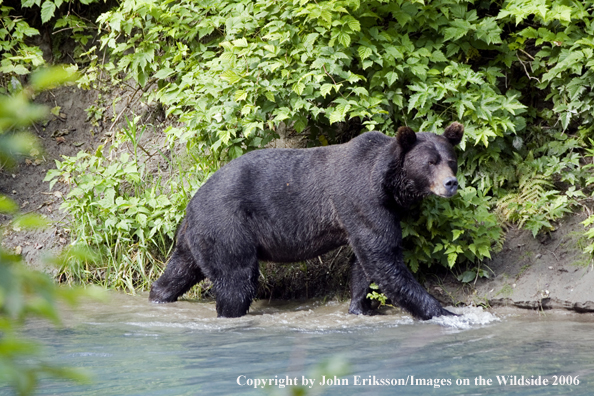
(406, 138)
(454, 133)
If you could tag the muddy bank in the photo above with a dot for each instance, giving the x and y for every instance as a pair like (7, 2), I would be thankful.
(547, 272)
(66, 133)
(73, 128)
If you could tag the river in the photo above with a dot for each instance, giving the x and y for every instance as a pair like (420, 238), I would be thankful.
(132, 347)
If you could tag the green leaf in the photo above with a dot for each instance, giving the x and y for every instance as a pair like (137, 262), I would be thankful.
(300, 124)
(336, 116)
(47, 10)
(360, 91)
(235, 152)
(391, 77)
(325, 89)
(454, 33)
(52, 77)
(561, 13)
(456, 234)
(298, 88)
(438, 56)
(339, 112)
(310, 40)
(489, 31)
(467, 276)
(344, 39)
(565, 118)
(353, 24)
(240, 95)
(230, 76)
(164, 73)
(402, 17)
(452, 259)
(282, 114)
(242, 42)
(484, 251)
(364, 52)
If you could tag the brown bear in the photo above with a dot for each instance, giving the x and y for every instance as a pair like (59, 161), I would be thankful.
(287, 205)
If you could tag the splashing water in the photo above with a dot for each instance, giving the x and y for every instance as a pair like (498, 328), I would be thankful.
(469, 317)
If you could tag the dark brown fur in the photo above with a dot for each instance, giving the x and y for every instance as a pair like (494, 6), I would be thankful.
(287, 205)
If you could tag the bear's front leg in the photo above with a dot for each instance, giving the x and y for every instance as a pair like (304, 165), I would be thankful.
(383, 262)
(399, 285)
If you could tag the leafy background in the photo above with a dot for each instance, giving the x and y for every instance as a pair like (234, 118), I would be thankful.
(233, 74)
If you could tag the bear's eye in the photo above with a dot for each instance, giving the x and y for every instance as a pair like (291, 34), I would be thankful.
(432, 162)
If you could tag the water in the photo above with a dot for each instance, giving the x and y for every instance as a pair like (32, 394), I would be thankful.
(132, 347)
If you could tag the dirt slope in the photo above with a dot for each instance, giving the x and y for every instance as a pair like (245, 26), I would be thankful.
(550, 271)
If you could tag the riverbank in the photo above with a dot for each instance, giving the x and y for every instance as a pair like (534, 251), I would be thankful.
(547, 272)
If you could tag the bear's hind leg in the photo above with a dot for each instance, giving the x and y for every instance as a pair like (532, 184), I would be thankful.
(360, 304)
(236, 290)
(181, 274)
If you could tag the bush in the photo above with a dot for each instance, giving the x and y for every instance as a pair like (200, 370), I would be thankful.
(245, 67)
(517, 74)
(123, 211)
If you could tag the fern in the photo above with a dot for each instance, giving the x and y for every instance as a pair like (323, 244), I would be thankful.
(535, 203)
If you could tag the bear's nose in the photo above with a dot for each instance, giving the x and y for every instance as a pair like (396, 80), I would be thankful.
(451, 185)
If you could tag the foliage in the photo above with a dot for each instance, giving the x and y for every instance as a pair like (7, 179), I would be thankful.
(516, 73)
(473, 274)
(555, 38)
(19, 56)
(589, 234)
(132, 226)
(450, 231)
(248, 66)
(235, 71)
(375, 295)
(16, 113)
(537, 202)
(25, 294)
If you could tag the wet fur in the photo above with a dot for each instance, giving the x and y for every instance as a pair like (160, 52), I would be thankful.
(288, 205)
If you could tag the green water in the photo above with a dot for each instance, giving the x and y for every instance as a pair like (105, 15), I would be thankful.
(132, 347)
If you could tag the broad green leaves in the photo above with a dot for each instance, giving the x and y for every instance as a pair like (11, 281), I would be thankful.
(236, 72)
(19, 56)
(47, 10)
(313, 63)
(259, 66)
(451, 231)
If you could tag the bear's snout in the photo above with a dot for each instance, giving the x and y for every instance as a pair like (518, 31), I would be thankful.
(445, 184)
(451, 186)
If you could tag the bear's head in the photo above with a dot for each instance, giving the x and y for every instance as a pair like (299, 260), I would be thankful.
(428, 162)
